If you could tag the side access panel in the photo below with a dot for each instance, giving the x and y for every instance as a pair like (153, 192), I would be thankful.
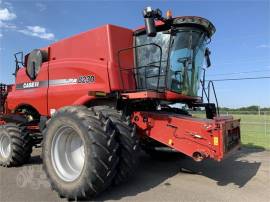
(78, 65)
(71, 82)
(30, 92)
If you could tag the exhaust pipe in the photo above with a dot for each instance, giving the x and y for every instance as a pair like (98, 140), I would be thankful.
(149, 19)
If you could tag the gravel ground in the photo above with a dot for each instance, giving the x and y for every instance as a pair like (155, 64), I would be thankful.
(244, 176)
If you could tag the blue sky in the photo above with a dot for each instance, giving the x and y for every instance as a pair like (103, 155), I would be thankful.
(240, 47)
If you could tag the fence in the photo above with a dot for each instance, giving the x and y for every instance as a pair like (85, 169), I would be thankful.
(252, 122)
(255, 126)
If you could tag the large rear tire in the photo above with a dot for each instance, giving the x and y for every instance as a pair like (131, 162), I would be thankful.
(15, 145)
(128, 141)
(79, 152)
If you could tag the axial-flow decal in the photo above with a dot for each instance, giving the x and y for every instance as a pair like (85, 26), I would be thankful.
(57, 82)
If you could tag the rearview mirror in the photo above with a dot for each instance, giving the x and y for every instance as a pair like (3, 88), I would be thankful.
(207, 57)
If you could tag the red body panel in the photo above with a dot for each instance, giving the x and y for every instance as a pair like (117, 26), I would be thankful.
(92, 53)
(120, 39)
(36, 97)
(167, 95)
(63, 95)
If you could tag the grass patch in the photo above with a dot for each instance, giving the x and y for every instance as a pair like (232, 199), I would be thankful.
(255, 130)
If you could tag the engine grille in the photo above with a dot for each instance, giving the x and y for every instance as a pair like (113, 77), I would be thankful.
(232, 138)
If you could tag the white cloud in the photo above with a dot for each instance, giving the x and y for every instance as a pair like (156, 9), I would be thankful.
(37, 31)
(41, 7)
(6, 15)
(5, 25)
(264, 46)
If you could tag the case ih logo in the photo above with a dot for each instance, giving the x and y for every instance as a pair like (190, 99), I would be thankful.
(31, 85)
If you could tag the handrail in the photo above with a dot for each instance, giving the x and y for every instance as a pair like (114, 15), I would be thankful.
(203, 83)
(204, 92)
(208, 92)
(135, 73)
(213, 88)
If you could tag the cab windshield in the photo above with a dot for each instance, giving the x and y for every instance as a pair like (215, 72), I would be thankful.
(186, 61)
(180, 64)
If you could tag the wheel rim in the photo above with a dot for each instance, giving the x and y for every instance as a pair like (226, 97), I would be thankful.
(5, 146)
(67, 153)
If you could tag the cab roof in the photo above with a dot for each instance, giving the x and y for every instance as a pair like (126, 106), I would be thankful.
(186, 21)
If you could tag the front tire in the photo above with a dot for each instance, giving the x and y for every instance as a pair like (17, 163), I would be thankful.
(79, 152)
(128, 141)
(15, 145)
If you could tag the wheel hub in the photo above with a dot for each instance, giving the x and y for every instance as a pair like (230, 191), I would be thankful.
(67, 153)
(5, 146)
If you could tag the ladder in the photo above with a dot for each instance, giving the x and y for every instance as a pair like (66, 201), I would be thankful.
(3, 95)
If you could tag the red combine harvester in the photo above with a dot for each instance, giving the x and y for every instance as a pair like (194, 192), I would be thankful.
(95, 98)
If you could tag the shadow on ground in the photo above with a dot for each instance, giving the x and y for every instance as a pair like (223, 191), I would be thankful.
(231, 170)
(35, 160)
(152, 173)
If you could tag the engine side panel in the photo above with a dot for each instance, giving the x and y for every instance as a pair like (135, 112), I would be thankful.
(72, 80)
(77, 65)
(30, 92)
(118, 39)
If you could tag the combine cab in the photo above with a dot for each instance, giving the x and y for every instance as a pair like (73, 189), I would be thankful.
(96, 98)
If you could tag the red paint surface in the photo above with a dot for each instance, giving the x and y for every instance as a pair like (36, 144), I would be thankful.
(90, 53)
(187, 134)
